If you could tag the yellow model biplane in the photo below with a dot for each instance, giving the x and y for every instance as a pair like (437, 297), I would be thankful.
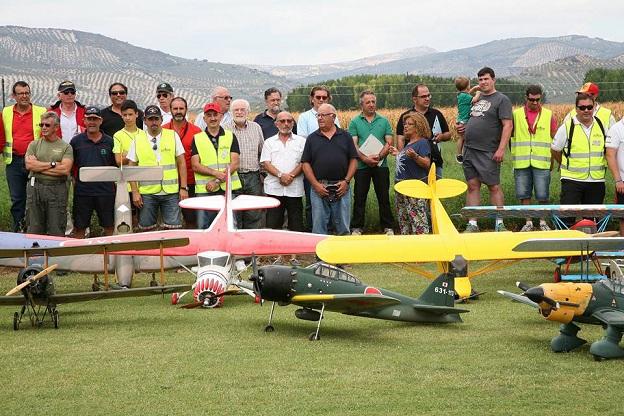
(446, 246)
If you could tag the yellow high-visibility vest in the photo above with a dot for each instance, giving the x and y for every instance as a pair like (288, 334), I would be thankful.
(586, 154)
(7, 119)
(531, 150)
(215, 159)
(147, 157)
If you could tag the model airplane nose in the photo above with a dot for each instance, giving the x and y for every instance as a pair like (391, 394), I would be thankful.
(536, 294)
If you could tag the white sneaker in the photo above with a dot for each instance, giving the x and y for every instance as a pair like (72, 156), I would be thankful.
(356, 231)
(388, 231)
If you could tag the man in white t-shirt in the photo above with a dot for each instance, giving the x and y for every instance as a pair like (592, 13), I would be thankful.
(160, 147)
(615, 159)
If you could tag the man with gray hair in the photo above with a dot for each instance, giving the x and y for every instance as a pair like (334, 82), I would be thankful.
(266, 119)
(250, 140)
(221, 96)
(49, 161)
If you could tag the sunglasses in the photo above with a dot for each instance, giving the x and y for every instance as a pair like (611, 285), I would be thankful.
(118, 93)
(68, 92)
(585, 107)
(162, 94)
(319, 115)
(225, 97)
(534, 100)
(321, 97)
(154, 145)
(45, 124)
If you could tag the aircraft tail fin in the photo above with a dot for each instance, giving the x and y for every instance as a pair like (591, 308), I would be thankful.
(441, 292)
(443, 188)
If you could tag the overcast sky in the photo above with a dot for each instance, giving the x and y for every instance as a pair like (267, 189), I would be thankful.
(307, 32)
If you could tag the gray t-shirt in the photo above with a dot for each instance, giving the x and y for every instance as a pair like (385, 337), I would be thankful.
(483, 130)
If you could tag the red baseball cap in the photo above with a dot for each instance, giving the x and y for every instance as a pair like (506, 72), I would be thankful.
(212, 106)
(590, 88)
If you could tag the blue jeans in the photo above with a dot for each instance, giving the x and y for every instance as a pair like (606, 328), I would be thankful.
(17, 178)
(168, 207)
(531, 178)
(323, 211)
(252, 219)
(204, 217)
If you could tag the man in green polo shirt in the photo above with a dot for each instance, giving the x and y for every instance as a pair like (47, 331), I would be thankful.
(372, 135)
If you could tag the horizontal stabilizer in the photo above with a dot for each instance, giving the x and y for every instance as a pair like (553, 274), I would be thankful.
(518, 298)
(206, 203)
(544, 211)
(240, 203)
(76, 246)
(438, 309)
(444, 188)
(114, 174)
(586, 244)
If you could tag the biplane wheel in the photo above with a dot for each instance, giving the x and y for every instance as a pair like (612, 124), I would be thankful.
(153, 283)
(175, 298)
(314, 337)
(55, 319)
(269, 328)
(15, 321)
(557, 274)
(95, 287)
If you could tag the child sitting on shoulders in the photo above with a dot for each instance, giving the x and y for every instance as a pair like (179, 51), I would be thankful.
(465, 99)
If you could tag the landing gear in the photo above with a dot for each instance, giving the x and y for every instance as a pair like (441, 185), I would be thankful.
(55, 319)
(153, 282)
(557, 274)
(95, 286)
(567, 340)
(608, 347)
(269, 327)
(175, 298)
(16, 321)
(314, 336)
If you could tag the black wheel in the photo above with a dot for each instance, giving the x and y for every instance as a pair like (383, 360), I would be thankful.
(153, 283)
(15, 321)
(269, 328)
(598, 358)
(314, 337)
(55, 319)
(557, 274)
(95, 287)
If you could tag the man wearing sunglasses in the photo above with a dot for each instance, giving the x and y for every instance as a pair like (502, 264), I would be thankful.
(533, 129)
(579, 147)
(112, 121)
(161, 147)
(164, 95)
(69, 110)
(20, 126)
(49, 161)
(603, 113)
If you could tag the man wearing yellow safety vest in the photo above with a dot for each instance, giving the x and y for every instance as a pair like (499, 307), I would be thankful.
(213, 150)
(20, 126)
(579, 147)
(603, 113)
(161, 147)
(533, 129)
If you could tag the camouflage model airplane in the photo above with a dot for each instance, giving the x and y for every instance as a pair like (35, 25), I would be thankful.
(443, 246)
(321, 287)
(600, 303)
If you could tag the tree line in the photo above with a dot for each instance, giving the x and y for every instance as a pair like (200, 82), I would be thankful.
(610, 81)
(393, 91)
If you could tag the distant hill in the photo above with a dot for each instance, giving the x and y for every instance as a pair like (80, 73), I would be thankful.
(44, 57)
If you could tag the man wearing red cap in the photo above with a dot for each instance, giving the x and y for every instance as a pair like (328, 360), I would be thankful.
(604, 114)
(213, 150)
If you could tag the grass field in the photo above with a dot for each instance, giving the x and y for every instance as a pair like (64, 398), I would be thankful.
(144, 356)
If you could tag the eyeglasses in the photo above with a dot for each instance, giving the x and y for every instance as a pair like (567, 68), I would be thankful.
(154, 145)
(289, 120)
(224, 97)
(118, 93)
(585, 107)
(321, 97)
(319, 115)
(162, 94)
(68, 92)
(534, 100)
(45, 124)
(424, 96)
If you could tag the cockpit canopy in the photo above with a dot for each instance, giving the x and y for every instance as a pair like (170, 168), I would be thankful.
(332, 272)
(213, 258)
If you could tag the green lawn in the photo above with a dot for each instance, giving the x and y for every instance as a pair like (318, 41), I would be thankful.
(144, 356)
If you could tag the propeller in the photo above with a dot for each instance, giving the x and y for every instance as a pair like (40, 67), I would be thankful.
(536, 294)
(209, 296)
(256, 279)
(523, 286)
(31, 280)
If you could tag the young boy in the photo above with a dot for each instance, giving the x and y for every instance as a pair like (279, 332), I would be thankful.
(464, 103)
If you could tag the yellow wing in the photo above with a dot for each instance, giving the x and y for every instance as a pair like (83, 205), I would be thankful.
(436, 247)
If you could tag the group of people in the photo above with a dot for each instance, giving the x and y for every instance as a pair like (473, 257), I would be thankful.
(277, 156)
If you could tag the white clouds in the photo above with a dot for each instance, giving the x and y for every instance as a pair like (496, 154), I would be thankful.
(321, 31)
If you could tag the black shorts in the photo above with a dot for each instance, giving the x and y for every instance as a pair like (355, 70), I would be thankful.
(619, 198)
(84, 206)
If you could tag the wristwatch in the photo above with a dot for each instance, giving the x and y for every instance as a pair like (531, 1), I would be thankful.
(279, 175)
(53, 164)
(184, 188)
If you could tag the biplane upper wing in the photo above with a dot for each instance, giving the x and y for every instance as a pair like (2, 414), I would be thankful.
(110, 294)
(543, 211)
(576, 245)
(345, 303)
(434, 247)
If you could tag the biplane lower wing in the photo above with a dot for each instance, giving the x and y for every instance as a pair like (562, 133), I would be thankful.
(543, 211)
(436, 247)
